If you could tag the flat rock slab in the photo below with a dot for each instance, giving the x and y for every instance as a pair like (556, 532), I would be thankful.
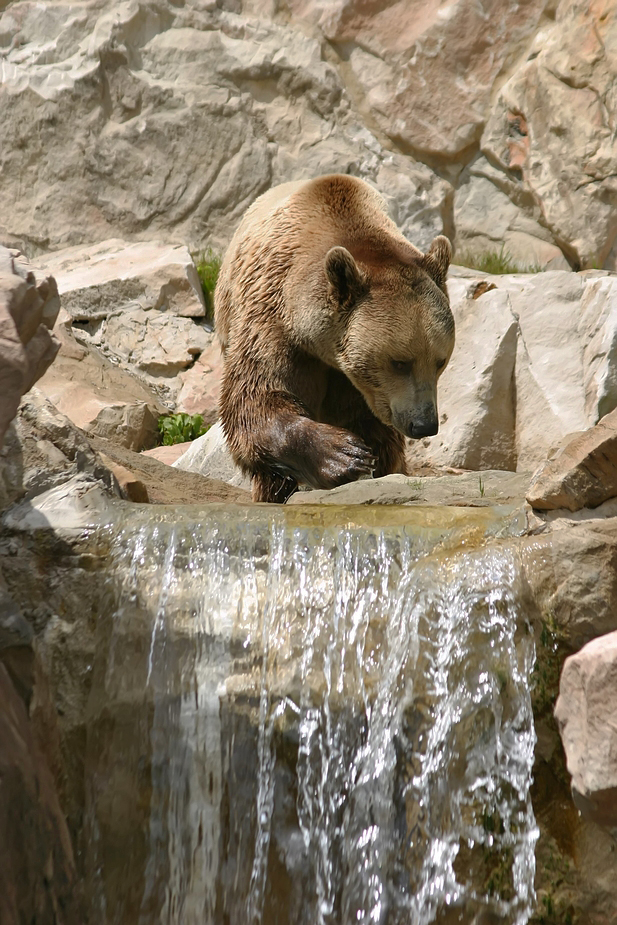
(582, 473)
(472, 489)
(586, 713)
(167, 485)
(97, 279)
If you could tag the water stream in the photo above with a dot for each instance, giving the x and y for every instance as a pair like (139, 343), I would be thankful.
(311, 716)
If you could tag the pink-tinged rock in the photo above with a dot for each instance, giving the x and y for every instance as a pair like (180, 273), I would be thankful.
(201, 384)
(586, 713)
(424, 70)
(97, 279)
(553, 121)
(99, 396)
(581, 473)
(132, 488)
(168, 454)
(28, 310)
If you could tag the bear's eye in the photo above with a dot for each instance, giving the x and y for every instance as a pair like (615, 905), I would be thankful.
(402, 366)
(440, 364)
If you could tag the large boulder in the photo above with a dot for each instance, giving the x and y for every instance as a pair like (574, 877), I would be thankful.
(95, 281)
(585, 712)
(581, 473)
(100, 396)
(534, 362)
(477, 428)
(210, 456)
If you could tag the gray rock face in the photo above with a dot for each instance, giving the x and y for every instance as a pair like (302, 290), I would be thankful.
(487, 219)
(145, 120)
(132, 120)
(43, 449)
(585, 713)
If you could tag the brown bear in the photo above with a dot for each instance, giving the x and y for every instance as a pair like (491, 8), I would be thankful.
(334, 331)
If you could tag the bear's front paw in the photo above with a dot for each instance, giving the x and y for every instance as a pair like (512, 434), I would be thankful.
(342, 457)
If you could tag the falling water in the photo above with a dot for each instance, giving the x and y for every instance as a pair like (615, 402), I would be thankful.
(311, 717)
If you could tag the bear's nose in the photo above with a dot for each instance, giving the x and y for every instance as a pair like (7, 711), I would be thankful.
(422, 422)
(427, 428)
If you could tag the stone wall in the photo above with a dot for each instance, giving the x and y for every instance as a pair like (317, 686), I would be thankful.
(142, 120)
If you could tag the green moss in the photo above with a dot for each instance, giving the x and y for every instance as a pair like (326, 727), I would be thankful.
(208, 265)
(494, 262)
(179, 428)
(551, 652)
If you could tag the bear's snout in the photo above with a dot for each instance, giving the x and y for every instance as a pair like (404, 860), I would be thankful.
(422, 422)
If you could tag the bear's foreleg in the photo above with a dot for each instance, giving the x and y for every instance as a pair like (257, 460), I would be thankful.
(388, 446)
(272, 487)
(345, 406)
(280, 446)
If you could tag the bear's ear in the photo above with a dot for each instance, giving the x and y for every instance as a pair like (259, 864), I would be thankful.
(345, 278)
(437, 259)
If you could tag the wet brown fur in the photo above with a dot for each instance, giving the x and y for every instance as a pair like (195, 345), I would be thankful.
(305, 397)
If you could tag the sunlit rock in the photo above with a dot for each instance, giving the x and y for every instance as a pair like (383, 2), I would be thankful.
(477, 424)
(552, 124)
(210, 456)
(585, 713)
(139, 121)
(533, 363)
(471, 488)
(580, 473)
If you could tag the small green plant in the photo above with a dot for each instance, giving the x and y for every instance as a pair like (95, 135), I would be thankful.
(208, 264)
(551, 652)
(179, 428)
(481, 486)
(494, 262)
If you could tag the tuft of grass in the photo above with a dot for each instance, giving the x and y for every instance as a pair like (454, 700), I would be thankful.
(179, 428)
(208, 265)
(495, 262)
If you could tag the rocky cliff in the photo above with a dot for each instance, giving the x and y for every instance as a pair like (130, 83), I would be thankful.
(139, 119)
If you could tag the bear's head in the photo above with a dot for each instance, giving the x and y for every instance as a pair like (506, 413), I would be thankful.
(395, 331)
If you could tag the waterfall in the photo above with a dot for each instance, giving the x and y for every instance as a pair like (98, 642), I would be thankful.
(311, 716)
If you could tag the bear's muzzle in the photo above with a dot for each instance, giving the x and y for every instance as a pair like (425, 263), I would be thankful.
(421, 422)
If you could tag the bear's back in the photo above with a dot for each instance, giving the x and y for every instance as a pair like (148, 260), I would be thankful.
(288, 231)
